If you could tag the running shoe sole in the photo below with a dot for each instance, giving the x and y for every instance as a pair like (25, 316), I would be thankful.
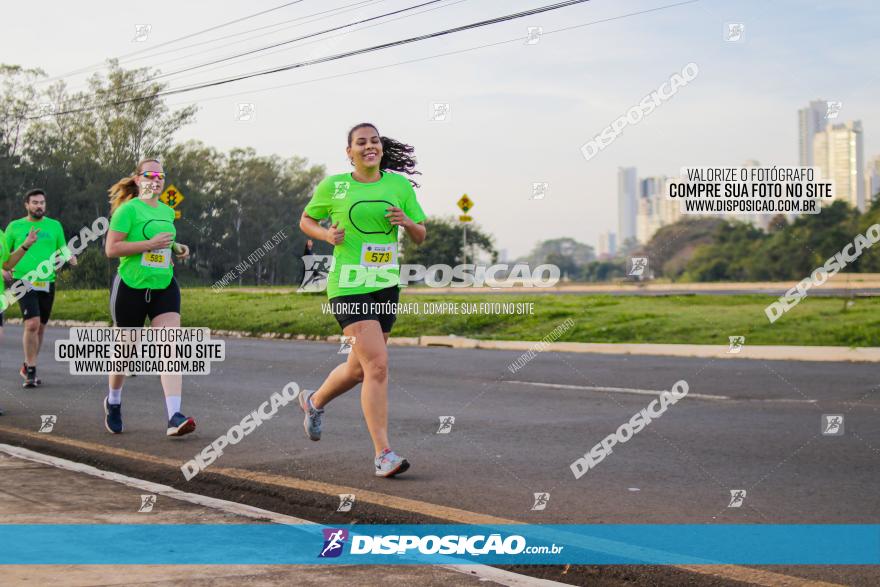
(402, 467)
(185, 428)
(303, 398)
(107, 413)
(36, 383)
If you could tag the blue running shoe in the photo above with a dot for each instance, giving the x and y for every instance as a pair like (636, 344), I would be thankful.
(112, 417)
(389, 464)
(313, 416)
(179, 425)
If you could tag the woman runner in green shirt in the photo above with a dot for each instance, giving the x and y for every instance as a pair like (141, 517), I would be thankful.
(365, 208)
(142, 236)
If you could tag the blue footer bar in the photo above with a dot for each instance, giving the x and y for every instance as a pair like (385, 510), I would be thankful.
(747, 544)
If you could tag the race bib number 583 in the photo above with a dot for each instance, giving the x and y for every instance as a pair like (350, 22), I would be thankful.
(158, 258)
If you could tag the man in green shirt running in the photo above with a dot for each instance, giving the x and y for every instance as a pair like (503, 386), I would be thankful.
(8, 261)
(37, 270)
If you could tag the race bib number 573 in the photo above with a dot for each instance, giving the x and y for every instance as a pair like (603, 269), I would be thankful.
(373, 255)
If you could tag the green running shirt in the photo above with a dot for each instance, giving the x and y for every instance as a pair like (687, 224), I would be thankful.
(360, 209)
(141, 222)
(4, 256)
(50, 241)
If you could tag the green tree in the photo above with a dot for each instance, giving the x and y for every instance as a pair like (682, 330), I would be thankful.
(443, 244)
(671, 247)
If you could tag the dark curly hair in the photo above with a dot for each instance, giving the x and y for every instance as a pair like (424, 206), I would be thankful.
(396, 156)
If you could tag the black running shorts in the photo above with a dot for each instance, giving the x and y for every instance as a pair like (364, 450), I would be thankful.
(378, 305)
(37, 304)
(130, 307)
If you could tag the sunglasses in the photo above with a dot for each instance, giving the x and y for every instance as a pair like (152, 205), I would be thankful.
(153, 175)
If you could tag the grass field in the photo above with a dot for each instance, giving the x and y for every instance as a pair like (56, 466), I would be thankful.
(695, 319)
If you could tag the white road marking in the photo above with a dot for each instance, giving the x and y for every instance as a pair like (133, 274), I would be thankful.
(657, 392)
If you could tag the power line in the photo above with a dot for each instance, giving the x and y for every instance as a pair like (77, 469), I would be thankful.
(452, 3)
(344, 55)
(436, 55)
(188, 36)
(275, 45)
(420, 59)
(374, 48)
(339, 10)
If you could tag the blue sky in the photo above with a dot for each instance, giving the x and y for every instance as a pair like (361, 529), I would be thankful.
(519, 113)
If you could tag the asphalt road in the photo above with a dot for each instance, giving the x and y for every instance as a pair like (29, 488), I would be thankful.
(746, 424)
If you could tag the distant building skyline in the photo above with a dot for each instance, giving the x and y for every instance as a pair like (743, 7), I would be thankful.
(872, 179)
(811, 120)
(627, 194)
(607, 245)
(837, 149)
(839, 152)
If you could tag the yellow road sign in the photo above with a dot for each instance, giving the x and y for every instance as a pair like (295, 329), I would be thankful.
(177, 214)
(465, 203)
(466, 218)
(171, 196)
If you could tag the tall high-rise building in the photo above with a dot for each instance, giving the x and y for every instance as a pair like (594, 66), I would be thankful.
(607, 245)
(872, 180)
(811, 120)
(838, 152)
(654, 209)
(627, 194)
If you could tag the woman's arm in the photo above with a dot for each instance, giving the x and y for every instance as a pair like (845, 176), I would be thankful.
(117, 247)
(311, 228)
(416, 232)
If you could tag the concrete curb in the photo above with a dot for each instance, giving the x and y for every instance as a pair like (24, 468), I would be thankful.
(703, 351)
